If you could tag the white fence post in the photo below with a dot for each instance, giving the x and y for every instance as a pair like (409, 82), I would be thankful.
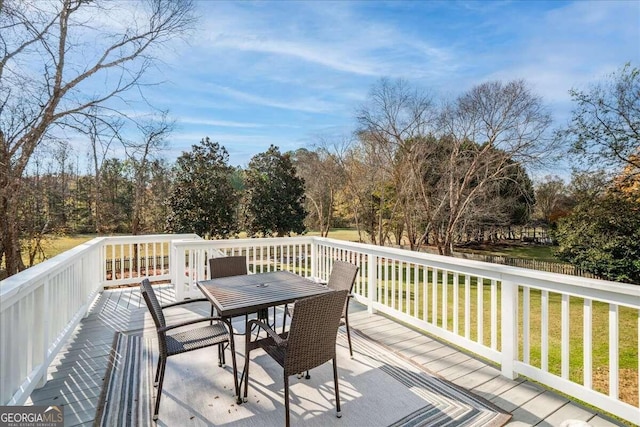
(372, 282)
(509, 323)
(314, 259)
(43, 323)
(176, 269)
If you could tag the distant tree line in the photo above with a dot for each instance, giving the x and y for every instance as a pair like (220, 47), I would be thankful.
(400, 180)
(416, 171)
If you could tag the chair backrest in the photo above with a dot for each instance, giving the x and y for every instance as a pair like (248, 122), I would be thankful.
(152, 303)
(342, 277)
(156, 313)
(227, 266)
(313, 331)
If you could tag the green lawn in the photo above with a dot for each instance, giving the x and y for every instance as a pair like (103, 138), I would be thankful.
(54, 245)
(537, 252)
(627, 328)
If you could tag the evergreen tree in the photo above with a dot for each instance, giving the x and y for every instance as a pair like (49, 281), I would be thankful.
(603, 237)
(274, 195)
(203, 199)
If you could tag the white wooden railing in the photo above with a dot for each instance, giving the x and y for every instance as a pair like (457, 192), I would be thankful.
(41, 306)
(484, 308)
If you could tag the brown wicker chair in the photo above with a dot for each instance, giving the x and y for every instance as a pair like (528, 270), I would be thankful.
(310, 341)
(215, 333)
(343, 276)
(227, 266)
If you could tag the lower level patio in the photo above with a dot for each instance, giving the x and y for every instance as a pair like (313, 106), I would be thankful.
(76, 377)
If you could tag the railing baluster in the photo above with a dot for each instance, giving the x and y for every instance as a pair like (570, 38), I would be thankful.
(434, 298)
(393, 283)
(480, 309)
(401, 286)
(467, 306)
(371, 262)
(494, 314)
(416, 290)
(544, 332)
(456, 301)
(564, 343)
(509, 310)
(526, 351)
(613, 351)
(445, 299)
(425, 294)
(587, 344)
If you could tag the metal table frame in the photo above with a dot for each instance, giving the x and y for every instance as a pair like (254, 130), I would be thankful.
(251, 293)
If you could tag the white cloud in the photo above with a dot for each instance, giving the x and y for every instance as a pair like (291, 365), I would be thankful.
(340, 40)
(218, 123)
(308, 104)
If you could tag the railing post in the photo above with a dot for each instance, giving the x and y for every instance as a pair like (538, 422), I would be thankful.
(372, 281)
(44, 324)
(509, 324)
(177, 270)
(314, 259)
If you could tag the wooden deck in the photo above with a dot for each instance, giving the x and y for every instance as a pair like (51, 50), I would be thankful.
(75, 377)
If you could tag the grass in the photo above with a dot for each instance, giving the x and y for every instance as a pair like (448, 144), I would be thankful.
(537, 252)
(627, 327)
(54, 245)
(348, 234)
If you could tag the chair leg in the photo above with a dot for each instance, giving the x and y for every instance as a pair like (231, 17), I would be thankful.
(335, 382)
(286, 400)
(161, 372)
(284, 317)
(224, 358)
(220, 355)
(155, 382)
(346, 325)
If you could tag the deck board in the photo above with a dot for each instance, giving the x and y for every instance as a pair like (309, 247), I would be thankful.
(77, 373)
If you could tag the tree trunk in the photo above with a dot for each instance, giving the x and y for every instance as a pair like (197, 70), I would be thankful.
(10, 191)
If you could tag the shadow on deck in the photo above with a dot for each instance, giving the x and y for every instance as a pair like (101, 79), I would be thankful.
(76, 376)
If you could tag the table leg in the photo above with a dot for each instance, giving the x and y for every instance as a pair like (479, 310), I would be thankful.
(243, 376)
(263, 314)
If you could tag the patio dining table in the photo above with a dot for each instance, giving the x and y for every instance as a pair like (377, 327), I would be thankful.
(251, 293)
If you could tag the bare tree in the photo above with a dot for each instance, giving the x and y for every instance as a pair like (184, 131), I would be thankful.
(551, 199)
(444, 167)
(323, 178)
(102, 133)
(605, 124)
(154, 133)
(394, 117)
(492, 128)
(49, 54)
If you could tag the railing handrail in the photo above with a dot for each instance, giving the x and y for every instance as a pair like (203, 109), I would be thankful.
(148, 238)
(42, 305)
(614, 292)
(238, 243)
(19, 283)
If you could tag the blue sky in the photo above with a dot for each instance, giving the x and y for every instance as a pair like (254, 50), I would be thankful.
(288, 73)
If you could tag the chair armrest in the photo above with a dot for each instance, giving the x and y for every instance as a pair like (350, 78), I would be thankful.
(190, 322)
(187, 301)
(280, 342)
